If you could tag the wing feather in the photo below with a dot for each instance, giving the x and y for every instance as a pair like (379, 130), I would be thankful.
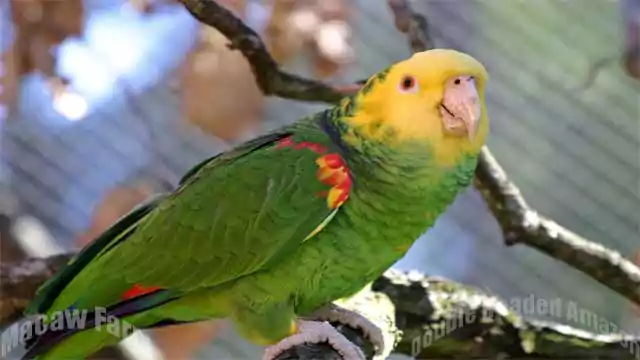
(243, 214)
(236, 213)
(118, 232)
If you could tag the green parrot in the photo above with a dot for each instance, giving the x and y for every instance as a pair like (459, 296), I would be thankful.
(270, 233)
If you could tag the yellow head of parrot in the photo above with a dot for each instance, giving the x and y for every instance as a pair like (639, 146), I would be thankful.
(436, 96)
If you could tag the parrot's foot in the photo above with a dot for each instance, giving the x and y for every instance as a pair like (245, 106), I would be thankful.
(336, 314)
(316, 332)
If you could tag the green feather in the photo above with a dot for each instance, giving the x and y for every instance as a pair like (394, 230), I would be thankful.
(251, 145)
(247, 236)
(116, 233)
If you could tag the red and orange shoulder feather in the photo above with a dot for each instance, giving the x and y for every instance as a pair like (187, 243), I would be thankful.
(332, 170)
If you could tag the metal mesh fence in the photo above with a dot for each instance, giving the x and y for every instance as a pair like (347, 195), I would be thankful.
(574, 153)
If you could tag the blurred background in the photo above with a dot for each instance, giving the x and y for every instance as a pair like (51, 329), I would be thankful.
(104, 102)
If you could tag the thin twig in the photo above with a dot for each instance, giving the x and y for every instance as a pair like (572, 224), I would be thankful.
(522, 224)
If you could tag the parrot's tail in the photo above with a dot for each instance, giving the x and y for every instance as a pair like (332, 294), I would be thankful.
(80, 340)
(67, 338)
(83, 344)
(79, 346)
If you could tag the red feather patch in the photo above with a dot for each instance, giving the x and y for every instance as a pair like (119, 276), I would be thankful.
(138, 290)
(286, 142)
(332, 170)
(315, 147)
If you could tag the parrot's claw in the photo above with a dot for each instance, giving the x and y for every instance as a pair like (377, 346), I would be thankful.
(316, 332)
(336, 314)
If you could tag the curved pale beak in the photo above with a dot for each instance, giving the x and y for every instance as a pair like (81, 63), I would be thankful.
(460, 108)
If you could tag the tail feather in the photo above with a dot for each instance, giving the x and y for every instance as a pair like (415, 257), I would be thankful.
(117, 233)
(95, 319)
(77, 347)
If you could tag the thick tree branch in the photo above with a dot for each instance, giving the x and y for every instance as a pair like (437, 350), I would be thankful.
(437, 318)
(519, 222)
(441, 319)
(19, 282)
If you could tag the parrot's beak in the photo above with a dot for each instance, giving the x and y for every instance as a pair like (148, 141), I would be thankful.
(460, 108)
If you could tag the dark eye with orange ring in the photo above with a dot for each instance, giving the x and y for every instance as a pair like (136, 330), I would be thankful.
(408, 84)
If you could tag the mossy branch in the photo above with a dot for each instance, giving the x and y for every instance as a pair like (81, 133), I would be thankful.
(424, 317)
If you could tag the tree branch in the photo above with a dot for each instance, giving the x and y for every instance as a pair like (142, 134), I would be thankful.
(520, 223)
(19, 282)
(437, 318)
(441, 319)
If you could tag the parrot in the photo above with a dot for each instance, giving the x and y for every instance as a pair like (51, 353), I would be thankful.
(270, 233)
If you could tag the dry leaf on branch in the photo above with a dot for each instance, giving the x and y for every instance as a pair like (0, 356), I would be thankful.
(9, 80)
(219, 92)
(40, 26)
(283, 39)
(331, 48)
(318, 27)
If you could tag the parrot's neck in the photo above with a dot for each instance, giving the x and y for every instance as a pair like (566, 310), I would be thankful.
(399, 186)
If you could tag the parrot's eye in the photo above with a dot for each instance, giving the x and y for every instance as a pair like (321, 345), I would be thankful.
(408, 84)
